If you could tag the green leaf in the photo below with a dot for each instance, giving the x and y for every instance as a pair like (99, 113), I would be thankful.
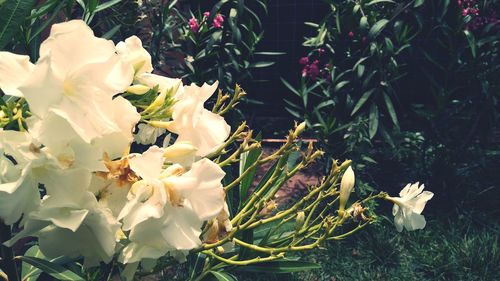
(196, 265)
(261, 64)
(270, 53)
(377, 28)
(362, 101)
(283, 266)
(373, 122)
(373, 2)
(418, 3)
(390, 108)
(12, 16)
(223, 276)
(112, 32)
(472, 42)
(247, 159)
(107, 5)
(340, 85)
(28, 271)
(290, 87)
(363, 22)
(54, 270)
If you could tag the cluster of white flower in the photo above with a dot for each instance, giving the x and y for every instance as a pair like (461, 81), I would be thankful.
(99, 200)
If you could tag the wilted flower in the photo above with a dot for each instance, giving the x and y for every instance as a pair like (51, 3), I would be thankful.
(409, 206)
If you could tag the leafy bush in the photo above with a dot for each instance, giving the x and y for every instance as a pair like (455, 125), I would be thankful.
(384, 75)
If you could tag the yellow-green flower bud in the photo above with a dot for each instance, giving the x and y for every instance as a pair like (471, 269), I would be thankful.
(299, 222)
(138, 89)
(300, 128)
(160, 124)
(346, 186)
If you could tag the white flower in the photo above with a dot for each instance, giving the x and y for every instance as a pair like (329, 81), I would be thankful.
(409, 206)
(14, 69)
(169, 202)
(148, 134)
(202, 128)
(346, 185)
(134, 54)
(18, 192)
(76, 77)
(70, 222)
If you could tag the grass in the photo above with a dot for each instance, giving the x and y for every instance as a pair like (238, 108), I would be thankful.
(457, 250)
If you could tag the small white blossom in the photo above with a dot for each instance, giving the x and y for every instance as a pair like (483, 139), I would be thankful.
(409, 206)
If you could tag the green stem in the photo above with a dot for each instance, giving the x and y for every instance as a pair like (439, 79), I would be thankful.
(8, 263)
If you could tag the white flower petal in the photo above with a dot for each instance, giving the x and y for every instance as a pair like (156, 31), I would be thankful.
(14, 70)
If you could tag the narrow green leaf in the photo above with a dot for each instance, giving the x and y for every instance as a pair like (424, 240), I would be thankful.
(54, 270)
(107, 5)
(246, 161)
(12, 16)
(377, 28)
(390, 109)
(472, 42)
(418, 3)
(290, 87)
(373, 2)
(270, 53)
(261, 64)
(28, 271)
(223, 276)
(112, 32)
(284, 266)
(362, 101)
(373, 122)
(340, 85)
(196, 265)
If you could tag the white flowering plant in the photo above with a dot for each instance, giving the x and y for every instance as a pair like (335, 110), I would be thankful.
(92, 203)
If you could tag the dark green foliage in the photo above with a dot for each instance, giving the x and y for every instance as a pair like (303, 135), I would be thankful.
(399, 72)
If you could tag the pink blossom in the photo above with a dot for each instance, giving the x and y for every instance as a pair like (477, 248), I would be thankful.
(313, 70)
(206, 14)
(304, 61)
(218, 21)
(350, 34)
(321, 51)
(193, 25)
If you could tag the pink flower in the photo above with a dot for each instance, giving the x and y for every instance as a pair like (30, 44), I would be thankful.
(321, 51)
(206, 14)
(304, 61)
(350, 34)
(313, 70)
(218, 21)
(193, 25)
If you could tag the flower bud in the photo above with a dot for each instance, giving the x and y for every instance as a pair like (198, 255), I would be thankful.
(179, 149)
(160, 124)
(346, 186)
(138, 89)
(183, 153)
(300, 128)
(299, 221)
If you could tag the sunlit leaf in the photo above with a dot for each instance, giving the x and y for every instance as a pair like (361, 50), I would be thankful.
(52, 269)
